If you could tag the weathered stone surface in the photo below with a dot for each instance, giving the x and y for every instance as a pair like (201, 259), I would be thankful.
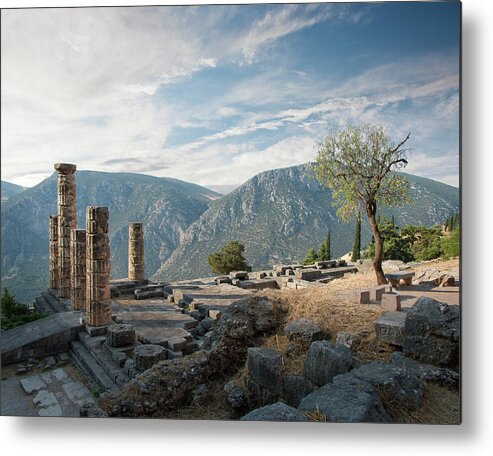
(303, 330)
(274, 412)
(67, 220)
(240, 275)
(135, 251)
(146, 356)
(325, 360)
(308, 274)
(235, 396)
(53, 252)
(32, 383)
(391, 381)
(78, 270)
(432, 332)
(391, 302)
(346, 403)
(441, 375)
(364, 297)
(264, 369)
(97, 254)
(347, 339)
(390, 328)
(120, 335)
(377, 292)
(296, 387)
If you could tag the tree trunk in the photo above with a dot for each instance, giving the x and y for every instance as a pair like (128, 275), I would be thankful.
(371, 210)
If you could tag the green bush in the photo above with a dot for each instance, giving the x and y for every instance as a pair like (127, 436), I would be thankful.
(16, 314)
(229, 258)
(311, 257)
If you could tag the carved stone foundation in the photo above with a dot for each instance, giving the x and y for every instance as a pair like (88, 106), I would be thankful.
(66, 221)
(78, 269)
(98, 267)
(135, 251)
(54, 252)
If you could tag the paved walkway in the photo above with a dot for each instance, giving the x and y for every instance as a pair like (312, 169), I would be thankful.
(55, 391)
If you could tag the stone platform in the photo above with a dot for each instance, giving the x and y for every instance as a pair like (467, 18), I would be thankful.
(46, 336)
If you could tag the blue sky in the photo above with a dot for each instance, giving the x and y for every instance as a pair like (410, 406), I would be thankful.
(216, 94)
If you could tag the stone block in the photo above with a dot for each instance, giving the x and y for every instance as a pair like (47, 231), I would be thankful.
(325, 360)
(391, 302)
(377, 292)
(264, 369)
(145, 356)
(390, 328)
(432, 332)
(274, 412)
(308, 274)
(346, 403)
(394, 383)
(120, 335)
(303, 330)
(241, 275)
(296, 387)
(32, 383)
(364, 297)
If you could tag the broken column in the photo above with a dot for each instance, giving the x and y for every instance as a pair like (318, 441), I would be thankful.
(67, 219)
(98, 267)
(78, 269)
(53, 252)
(135, 251)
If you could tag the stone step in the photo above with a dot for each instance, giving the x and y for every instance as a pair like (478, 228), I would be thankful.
(53, 302)
(95, 346)
(89, 365)
(42, 306)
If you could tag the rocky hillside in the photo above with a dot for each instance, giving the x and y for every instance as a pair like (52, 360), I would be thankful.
(280, 213)
(9, 190)
(167, 207)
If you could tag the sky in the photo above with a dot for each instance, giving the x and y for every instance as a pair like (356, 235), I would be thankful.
(216, 94)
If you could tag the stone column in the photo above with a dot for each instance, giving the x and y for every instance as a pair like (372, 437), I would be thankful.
(67, 219)
(135, 251)
(78, 269)
(54, 252)
(98, 267)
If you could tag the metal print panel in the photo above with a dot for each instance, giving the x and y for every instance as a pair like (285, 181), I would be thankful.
(232, 212)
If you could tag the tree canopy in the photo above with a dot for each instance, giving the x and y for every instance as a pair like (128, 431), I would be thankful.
(229, 258)
(358, 164)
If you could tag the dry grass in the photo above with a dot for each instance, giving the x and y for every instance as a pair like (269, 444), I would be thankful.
(440, 406)
(335, 308)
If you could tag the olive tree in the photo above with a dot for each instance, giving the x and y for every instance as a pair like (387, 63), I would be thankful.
(358, 164)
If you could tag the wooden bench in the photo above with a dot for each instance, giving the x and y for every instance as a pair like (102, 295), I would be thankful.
(395, 277)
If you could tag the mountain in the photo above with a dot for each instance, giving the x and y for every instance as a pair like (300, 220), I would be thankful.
(279, 214)
(9, 190)
(165, 206)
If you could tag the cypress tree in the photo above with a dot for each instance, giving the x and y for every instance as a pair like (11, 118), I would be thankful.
(327, 245)
(357, 240)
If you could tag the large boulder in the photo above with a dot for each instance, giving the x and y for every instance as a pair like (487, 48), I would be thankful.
(432, 332)
(296, 387)
(265, 381)
(391, 381)
(275, 412)
(325, 360)
(346, 403)
(427, 372)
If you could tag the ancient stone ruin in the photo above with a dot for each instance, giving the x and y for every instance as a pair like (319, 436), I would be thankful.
(98, 267)
(135, 251)
(54, 252)
(67, 220)
(78, 269)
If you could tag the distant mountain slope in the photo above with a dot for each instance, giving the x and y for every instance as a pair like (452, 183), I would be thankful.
(9, 190)
(166, 207)
(280, 213)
